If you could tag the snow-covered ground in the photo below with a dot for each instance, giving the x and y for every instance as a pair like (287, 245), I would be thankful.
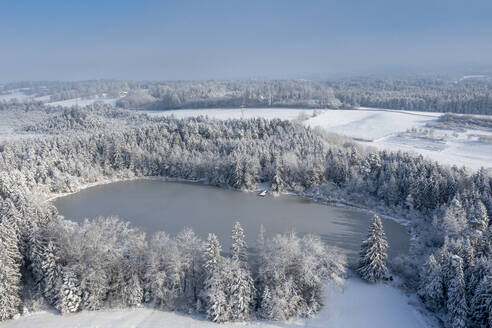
(359, 305)
(82, 102)
(14, 94)
(21, 96)
(380, 128)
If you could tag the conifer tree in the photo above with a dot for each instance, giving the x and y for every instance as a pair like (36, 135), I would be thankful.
(431, 288)
(10, 277)
(265, 309)
(478, 218)
(216, 305)
(70, 298)
(240, 291)
(373, 255)
(481, 304)
(456, 302)
(213, 296)
(212, 253)
(51, 270)
(239, 248)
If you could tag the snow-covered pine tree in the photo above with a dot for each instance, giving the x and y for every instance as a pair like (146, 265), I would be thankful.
(51, 271)
(10, 276)
(278, 184)
(373, 255)
(238, 174)
(431, 288)
(212, 253)
(456, 301)
(478, 218)
(239, 249)
(216, 306)
(94, 286)
(213, 296)
(240, 291)
(454, 220)
(265, 309)
(481, 303)
(70, 296)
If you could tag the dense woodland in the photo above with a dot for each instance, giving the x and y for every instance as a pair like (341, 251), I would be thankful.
(45, 259)
(428, 93)
(468, 96)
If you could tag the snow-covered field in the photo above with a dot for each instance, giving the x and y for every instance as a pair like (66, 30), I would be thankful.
(19, 95)
(14, 94)
(380, 128)
(359, 305)
(82, 102)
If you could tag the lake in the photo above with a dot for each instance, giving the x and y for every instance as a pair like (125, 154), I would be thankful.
(155, 205)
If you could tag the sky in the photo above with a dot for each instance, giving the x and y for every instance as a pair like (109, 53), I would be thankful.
(229, 39)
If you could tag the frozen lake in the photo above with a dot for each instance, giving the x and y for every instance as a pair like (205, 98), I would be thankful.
(154, 205)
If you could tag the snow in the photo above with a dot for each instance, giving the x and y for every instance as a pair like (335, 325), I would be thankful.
(82, 102)
(359, 304)
(236, 113)
(368, 124)
(13, 120)
(380, 128)
(14, 94)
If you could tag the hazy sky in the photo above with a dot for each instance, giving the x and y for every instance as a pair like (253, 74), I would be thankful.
(72, 40)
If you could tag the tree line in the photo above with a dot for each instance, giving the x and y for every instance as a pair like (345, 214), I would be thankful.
(428, 93)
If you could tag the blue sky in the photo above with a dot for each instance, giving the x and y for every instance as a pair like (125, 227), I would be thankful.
(72, 40)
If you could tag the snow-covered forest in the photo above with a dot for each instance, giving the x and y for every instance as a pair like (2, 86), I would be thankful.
(417, 93)
(48, 260)
(431, 94)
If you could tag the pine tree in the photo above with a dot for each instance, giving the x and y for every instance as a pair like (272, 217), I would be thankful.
(239, 248)
(478, 218)
(454, 220)
(212, 253)
(456, 302)
(51, 279)
(481, 304)
(70, 298)
(240, 292)
(278, 184)
(213, 296)
(216, 303)
(372, 263)
(10, 277)
(265, 309)
(431, 288)
(238, 174)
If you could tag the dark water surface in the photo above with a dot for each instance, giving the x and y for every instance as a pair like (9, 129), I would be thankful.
(154, 205)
